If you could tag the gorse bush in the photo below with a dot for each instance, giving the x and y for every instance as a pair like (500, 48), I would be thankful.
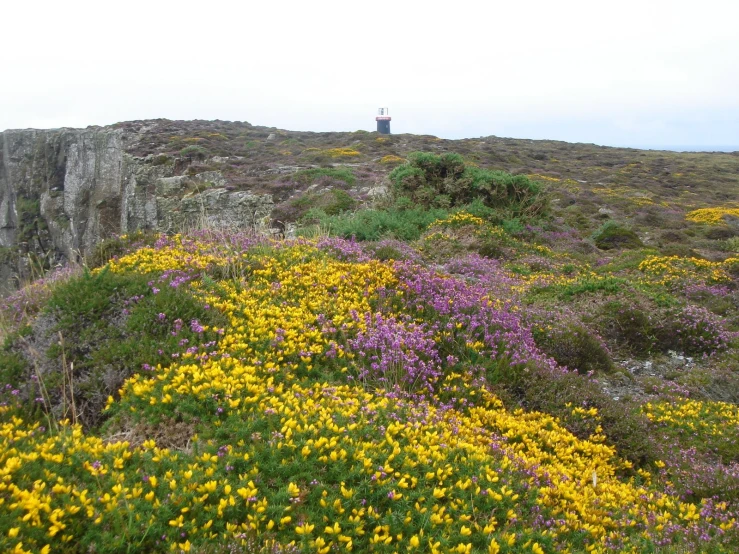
(588, 412)
(575, 347)
(194, 151)
(613, 235)
(444, 181)
(112, 326)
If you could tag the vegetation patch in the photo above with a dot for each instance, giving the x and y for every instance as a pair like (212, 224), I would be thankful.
(304, 393)
(712, 216)
(314, 205)
(310, 176)
(344, 152)
(391, 159)
(613, 235)
(445, 181)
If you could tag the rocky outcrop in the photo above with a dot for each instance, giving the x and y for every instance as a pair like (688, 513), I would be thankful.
(62, 191)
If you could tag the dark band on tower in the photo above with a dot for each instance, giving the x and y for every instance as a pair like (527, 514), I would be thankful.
(383, 121)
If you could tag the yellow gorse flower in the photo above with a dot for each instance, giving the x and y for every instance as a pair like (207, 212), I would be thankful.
(441, 459)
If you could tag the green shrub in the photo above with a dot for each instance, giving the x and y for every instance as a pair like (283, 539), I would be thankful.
(681, 250)
(314, 205)
(575, 347)
(194, 151)
(628, 325)
(490, 248)
(114, 325)
(386, 252)
(373, 224)
(443, 181)
(109, 248)
(613, 235)
(12, 367)
(585, 285)
(732, 245)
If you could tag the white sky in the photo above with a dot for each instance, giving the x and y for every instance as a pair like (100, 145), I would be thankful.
(647, 72)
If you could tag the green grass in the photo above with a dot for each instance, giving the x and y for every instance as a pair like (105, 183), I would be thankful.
(374, 224)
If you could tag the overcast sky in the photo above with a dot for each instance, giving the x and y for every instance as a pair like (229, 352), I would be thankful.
(636, 73)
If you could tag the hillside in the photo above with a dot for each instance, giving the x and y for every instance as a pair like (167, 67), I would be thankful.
(471, 346)
(62, 191)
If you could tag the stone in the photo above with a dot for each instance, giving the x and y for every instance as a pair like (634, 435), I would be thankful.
(62, 191)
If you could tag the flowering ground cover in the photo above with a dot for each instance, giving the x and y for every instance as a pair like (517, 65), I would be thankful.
(326, 396)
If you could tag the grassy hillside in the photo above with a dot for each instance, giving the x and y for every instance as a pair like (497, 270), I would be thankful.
(500, 380)
(652, 192)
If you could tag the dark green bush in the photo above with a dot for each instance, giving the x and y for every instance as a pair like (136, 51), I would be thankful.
(490, 248)
(12, 367)
(575, 347)
(118, 246)
(628, 325)
(194, 151)
(444, 181)
(324, 203)
(112, 328)
(587, 285)
(385, 253)
(613, 235)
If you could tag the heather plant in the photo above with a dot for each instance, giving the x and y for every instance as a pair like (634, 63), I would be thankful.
(19, 308)
(694, 330)
(397, 354)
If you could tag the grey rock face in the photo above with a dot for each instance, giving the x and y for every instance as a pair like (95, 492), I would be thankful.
(62, 191)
